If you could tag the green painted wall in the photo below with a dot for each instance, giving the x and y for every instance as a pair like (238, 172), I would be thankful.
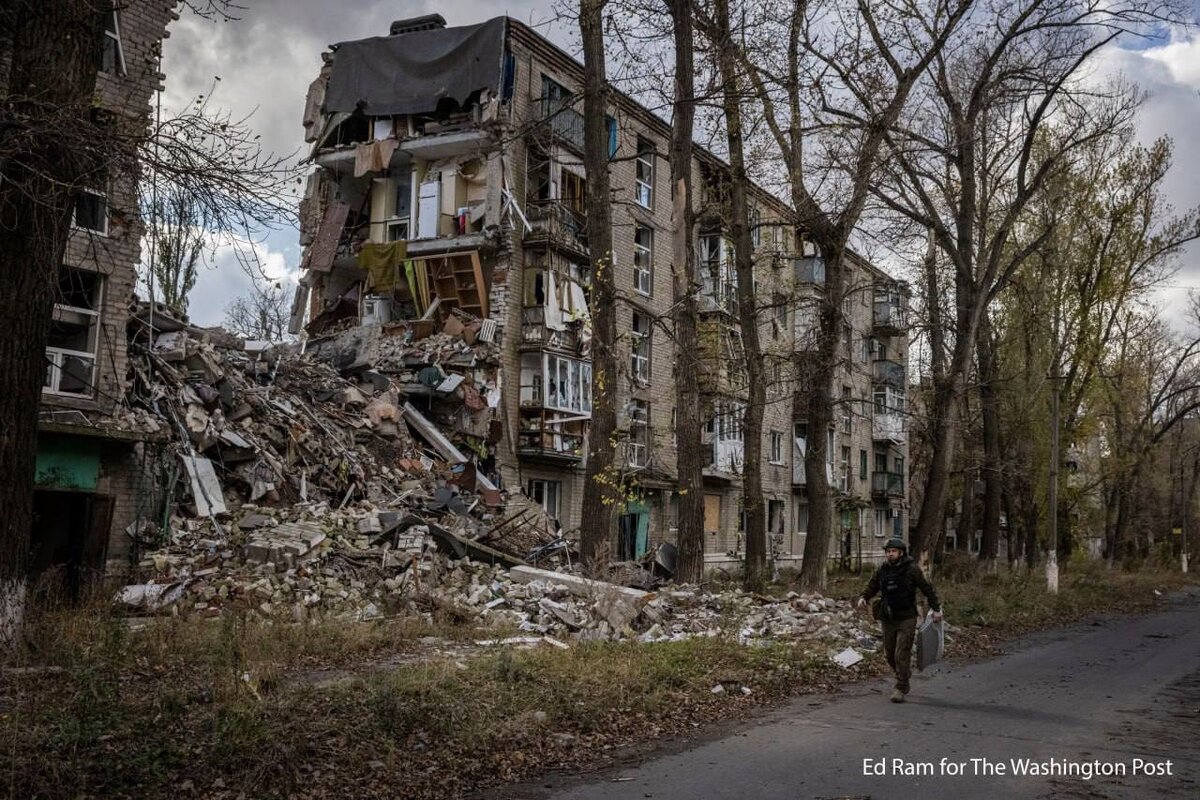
(67, 462)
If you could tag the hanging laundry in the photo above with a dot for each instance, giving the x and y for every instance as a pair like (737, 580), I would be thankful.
(383, 263)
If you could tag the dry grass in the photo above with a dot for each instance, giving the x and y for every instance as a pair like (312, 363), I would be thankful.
(210, 708)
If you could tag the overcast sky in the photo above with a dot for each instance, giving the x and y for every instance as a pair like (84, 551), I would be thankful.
(266, 60)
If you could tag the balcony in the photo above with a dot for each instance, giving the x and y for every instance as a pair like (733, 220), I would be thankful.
(887, 484)
(536, 336)
(562, 122)
(890, 317)
(545, 435)
(890, 373)
(557, 225)
(887, 427)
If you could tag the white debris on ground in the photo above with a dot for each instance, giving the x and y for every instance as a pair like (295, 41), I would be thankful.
(318, 563)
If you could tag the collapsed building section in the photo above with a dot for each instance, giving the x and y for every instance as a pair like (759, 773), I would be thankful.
(447, 203)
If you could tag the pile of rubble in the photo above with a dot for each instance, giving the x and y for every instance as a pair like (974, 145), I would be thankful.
(359, 564)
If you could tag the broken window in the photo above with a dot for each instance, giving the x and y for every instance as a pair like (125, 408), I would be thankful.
(547, 494)
(644, 177)
(639, 432)
(568, 383)
(113, 58)
(643, 259)
(639, 353)
(74, 333)
(776, 447)
(91, 211)
(717, 271)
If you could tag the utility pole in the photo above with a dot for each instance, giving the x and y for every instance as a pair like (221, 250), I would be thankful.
(1052, 498)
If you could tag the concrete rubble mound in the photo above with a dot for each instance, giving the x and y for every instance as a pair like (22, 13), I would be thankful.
(314, 491)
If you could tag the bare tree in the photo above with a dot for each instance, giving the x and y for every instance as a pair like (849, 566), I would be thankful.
(55, 142)
(263, 313)
(978, 149)
(688, 421)
(599, 491)
(718, 28)
(832, 80)
(177, 241)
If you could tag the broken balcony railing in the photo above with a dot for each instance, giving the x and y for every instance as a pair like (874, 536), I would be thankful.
(554, 222)
(535, 334)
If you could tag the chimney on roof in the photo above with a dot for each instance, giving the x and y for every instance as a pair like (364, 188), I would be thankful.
(429, 22)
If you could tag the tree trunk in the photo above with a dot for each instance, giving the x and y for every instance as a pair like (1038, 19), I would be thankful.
(688, 415)
(600, 495)
(820, 372)
(55, 52)
(755, 576)
(993, 474)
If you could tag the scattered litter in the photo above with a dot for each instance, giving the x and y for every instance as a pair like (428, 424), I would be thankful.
(848, 658)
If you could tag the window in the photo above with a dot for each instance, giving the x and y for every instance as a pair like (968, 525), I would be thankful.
(644, 178)
(113, 59)
(719, 281)
(862, 465)
(844, 481)
(569, 384)
(847, 410)
(91, 211)
(754, 218)
(883, 522)
(643, 259)
(639, 432)
(801, 519)
(548, 495)
(639, 352)
(881, 464)
(726, 422)
(74, 333)
(776, 447)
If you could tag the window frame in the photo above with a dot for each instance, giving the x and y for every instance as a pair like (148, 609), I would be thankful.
(776, 448)
(115, 35)
(643, 260)
(644, 183)
(55, 356)
(640, 351)
(103, 195)
(546, 488)
(638, 448)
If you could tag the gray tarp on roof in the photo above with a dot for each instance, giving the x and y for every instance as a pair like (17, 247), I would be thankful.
(410, 73)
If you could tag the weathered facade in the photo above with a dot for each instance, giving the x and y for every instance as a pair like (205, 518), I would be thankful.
(90, 471)
(449, 191)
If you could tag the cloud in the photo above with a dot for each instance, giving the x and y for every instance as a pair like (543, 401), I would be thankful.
(265, 62)
(1170, 73)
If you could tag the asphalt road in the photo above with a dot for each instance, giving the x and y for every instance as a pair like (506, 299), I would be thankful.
(1110, 691)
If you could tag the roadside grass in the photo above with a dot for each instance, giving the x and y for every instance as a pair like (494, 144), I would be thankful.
(1011, 602)
(211, 708)
(196, 714)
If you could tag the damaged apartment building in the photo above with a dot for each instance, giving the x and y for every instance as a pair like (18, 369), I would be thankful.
(91, 460)
(444, 233)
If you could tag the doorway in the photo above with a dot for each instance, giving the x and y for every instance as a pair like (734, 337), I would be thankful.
(69, 542)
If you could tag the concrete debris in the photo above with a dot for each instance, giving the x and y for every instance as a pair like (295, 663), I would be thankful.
(350, 483)
(317, 562)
